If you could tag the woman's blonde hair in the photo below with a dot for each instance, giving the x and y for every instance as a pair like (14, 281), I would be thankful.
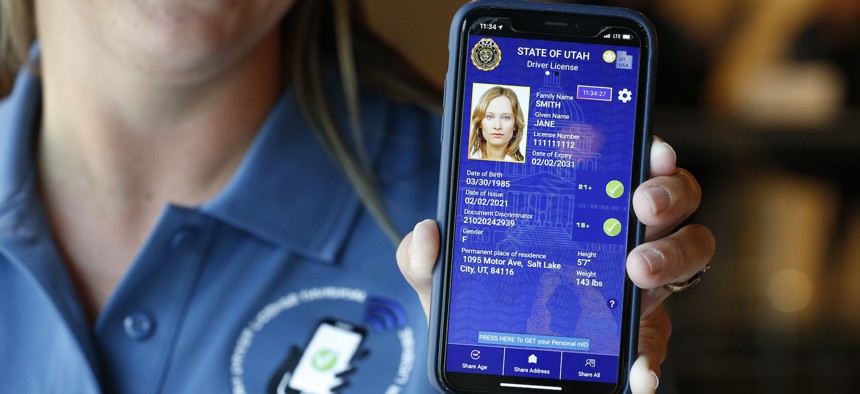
(17, 32)
(315, 33)
(477, 142)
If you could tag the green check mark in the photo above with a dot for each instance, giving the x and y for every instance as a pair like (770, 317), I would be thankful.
(614, 189)
(612, 227)
(324, 360)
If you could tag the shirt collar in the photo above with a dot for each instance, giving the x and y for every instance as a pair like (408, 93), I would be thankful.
(287, 190)
(23, 226)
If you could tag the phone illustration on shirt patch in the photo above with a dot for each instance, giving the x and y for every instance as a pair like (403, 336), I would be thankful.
(327, 355)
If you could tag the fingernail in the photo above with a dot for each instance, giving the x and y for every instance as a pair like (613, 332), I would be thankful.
(659, 141)
(658, 197)
(654, 259)
(671, 149)
(414, 234)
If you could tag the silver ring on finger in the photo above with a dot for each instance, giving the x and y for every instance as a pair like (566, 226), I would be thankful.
(677, 287)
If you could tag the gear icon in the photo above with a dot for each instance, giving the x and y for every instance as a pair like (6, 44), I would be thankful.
(625, 95)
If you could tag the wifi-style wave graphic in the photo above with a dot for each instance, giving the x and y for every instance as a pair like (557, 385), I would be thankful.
(384, 314)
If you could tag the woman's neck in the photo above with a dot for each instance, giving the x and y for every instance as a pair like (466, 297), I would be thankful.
(117, 143)
(495, 153)
(125, 135)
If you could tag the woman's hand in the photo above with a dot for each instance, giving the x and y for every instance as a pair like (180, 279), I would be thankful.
(662, 203)
(668, 256)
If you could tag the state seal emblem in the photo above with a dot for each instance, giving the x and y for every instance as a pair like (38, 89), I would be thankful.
(486, 55)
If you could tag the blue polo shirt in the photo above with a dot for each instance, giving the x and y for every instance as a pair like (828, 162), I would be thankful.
(279, 282)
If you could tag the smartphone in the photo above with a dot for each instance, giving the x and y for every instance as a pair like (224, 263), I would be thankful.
(326, 355)
(546, 135)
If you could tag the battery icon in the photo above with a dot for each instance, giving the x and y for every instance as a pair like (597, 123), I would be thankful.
(626, 36)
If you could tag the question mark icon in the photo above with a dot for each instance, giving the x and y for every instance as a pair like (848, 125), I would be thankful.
(612, 304)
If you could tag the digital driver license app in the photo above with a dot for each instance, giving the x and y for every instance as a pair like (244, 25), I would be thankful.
(546, 152)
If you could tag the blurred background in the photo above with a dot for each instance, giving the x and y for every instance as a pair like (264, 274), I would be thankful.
(761, 100)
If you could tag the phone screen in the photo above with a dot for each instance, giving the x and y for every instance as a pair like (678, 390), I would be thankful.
(328, 353)
(546, 158)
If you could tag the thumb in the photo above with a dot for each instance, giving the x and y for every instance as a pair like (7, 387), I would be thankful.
(416, 257)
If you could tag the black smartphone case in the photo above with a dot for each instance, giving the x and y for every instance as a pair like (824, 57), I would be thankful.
(449, 147)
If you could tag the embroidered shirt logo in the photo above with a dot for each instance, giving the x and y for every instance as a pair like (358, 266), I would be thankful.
(336, 354)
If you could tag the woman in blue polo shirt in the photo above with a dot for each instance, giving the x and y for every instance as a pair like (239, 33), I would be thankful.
(180, 211)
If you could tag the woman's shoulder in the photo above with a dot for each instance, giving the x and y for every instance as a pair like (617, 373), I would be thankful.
(391, 119)
(403, 110)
